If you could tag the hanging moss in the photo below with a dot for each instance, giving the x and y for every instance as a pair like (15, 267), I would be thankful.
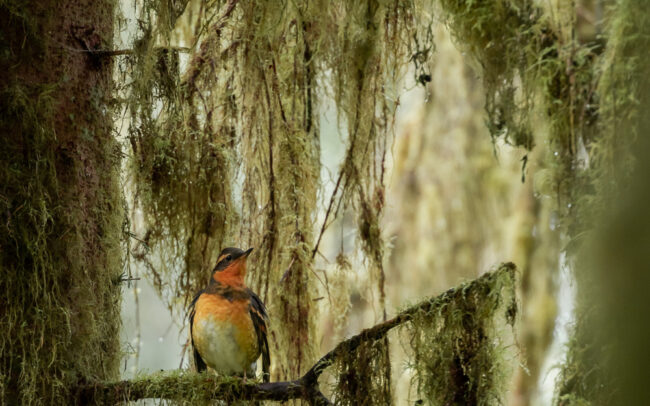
(60, 203)
(339, 292)
(505, 37)
(372, 54)
(536, 76)
(183, 152)
(459, 350)
(364, 375)
(245, 109)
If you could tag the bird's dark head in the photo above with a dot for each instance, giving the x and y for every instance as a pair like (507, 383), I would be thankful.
(231, 266)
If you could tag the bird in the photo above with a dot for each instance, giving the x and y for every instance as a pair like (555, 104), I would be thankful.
(228, 321)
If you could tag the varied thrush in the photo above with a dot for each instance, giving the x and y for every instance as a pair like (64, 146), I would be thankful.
(228, 321)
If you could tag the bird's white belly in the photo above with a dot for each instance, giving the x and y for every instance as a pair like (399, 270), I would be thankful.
(219, 347)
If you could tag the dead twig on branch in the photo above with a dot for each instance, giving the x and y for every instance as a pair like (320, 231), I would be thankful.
(192, 386)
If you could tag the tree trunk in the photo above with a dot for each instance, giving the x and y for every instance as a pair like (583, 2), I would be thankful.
(60, 203)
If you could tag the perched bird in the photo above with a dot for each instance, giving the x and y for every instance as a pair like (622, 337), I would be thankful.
(228, 321)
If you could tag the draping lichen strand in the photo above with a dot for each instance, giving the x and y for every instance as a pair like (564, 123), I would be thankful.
(363, 375)
(60, 205)
(367, 63)
(246, 105)
(537, 77)
(458, 344)
(182, 134)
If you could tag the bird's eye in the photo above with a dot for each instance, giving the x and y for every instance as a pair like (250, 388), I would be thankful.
(229, 257)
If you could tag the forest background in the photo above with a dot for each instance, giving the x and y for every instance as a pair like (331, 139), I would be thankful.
(373, 153)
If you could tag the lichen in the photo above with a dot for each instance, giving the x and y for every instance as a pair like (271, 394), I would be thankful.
(459, 344)
(363, 376)
(226, 147)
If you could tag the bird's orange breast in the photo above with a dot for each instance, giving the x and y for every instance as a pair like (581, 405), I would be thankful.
(224, 334)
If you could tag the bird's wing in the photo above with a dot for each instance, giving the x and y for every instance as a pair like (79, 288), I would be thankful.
(259, 317)
(198, 361)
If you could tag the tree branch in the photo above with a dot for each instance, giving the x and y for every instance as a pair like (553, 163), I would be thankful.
(192, 386)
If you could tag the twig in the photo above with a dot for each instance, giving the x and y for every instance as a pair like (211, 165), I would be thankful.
(119, 52)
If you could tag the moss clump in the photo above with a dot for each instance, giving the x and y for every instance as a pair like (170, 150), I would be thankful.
(504, 37)
(536, 76)
(458, 343)
(178, 387)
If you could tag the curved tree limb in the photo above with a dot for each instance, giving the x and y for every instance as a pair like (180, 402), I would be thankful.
(193, 386)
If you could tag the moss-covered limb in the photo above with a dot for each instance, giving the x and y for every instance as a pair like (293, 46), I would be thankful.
(466, 339)
(196, 387)
(122, 52)
(191, 387)
(378, 331)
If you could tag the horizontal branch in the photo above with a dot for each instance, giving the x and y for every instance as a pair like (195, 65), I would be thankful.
(121, 52)
(189, 385)
(192, 386)
(118, 52)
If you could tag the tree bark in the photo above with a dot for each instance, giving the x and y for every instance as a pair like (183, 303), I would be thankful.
(60, 202)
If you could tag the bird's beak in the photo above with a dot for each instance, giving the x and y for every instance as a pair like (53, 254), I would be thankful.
(247, 252)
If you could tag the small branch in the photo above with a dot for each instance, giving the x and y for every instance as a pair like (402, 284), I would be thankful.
(119, 52)
(193, 386)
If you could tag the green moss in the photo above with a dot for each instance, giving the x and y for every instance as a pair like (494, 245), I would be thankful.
(505, 37)
(182, 162)
(459, 343)
(178, 387)
(363, 376)
(538, 79)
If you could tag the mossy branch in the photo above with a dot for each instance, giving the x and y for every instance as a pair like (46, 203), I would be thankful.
(192, 386)
(380, 330)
